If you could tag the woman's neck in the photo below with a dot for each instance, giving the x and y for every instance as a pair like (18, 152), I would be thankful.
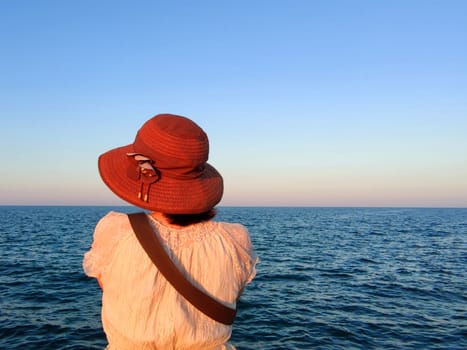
(160, 217)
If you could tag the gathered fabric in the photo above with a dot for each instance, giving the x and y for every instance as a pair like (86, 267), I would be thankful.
(140, 309)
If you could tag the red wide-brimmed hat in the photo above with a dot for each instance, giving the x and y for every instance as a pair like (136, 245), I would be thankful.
(165, 169)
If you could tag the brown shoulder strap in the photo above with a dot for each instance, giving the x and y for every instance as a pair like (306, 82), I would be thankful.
(169, 270)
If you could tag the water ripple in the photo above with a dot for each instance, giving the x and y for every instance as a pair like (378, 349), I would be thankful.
(350, 278)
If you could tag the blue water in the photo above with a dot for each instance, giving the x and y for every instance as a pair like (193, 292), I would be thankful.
(329, 278)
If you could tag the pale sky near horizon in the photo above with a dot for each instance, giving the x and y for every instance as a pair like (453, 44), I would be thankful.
(307, 103)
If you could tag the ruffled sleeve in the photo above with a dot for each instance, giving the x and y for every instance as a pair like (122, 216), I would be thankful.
(106, 236)
(247, 258)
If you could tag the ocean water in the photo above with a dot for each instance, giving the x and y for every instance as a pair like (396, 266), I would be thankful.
(329, 278)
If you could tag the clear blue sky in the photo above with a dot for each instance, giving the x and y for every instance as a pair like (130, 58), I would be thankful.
(320, 103)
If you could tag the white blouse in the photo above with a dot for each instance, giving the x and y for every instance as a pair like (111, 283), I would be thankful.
(140, 309)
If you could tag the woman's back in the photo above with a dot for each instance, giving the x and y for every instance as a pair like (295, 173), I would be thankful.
(141, 309)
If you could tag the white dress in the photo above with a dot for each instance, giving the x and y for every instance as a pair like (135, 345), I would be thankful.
(140, 309)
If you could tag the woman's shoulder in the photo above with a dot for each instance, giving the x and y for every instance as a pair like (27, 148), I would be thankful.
(114, 214)
(113, 217)
(112, 224)
(231, 226)
(237, 232)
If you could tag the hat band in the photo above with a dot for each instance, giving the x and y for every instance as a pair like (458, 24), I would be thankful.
(182, 173)
(171, 166)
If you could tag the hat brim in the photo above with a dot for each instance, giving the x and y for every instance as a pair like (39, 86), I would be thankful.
(167, 195)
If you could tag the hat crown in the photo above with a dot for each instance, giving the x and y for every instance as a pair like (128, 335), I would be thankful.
(172, 141)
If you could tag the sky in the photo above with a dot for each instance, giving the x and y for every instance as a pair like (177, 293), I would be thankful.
(306, 102)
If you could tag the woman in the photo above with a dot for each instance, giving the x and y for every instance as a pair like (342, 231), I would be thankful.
(165, 171)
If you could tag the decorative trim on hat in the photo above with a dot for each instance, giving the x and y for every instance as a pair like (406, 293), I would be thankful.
(145, 172)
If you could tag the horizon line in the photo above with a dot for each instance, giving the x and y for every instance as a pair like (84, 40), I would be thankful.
(246, 206)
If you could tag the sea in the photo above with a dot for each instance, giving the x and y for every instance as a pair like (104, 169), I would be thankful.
(328, 278)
